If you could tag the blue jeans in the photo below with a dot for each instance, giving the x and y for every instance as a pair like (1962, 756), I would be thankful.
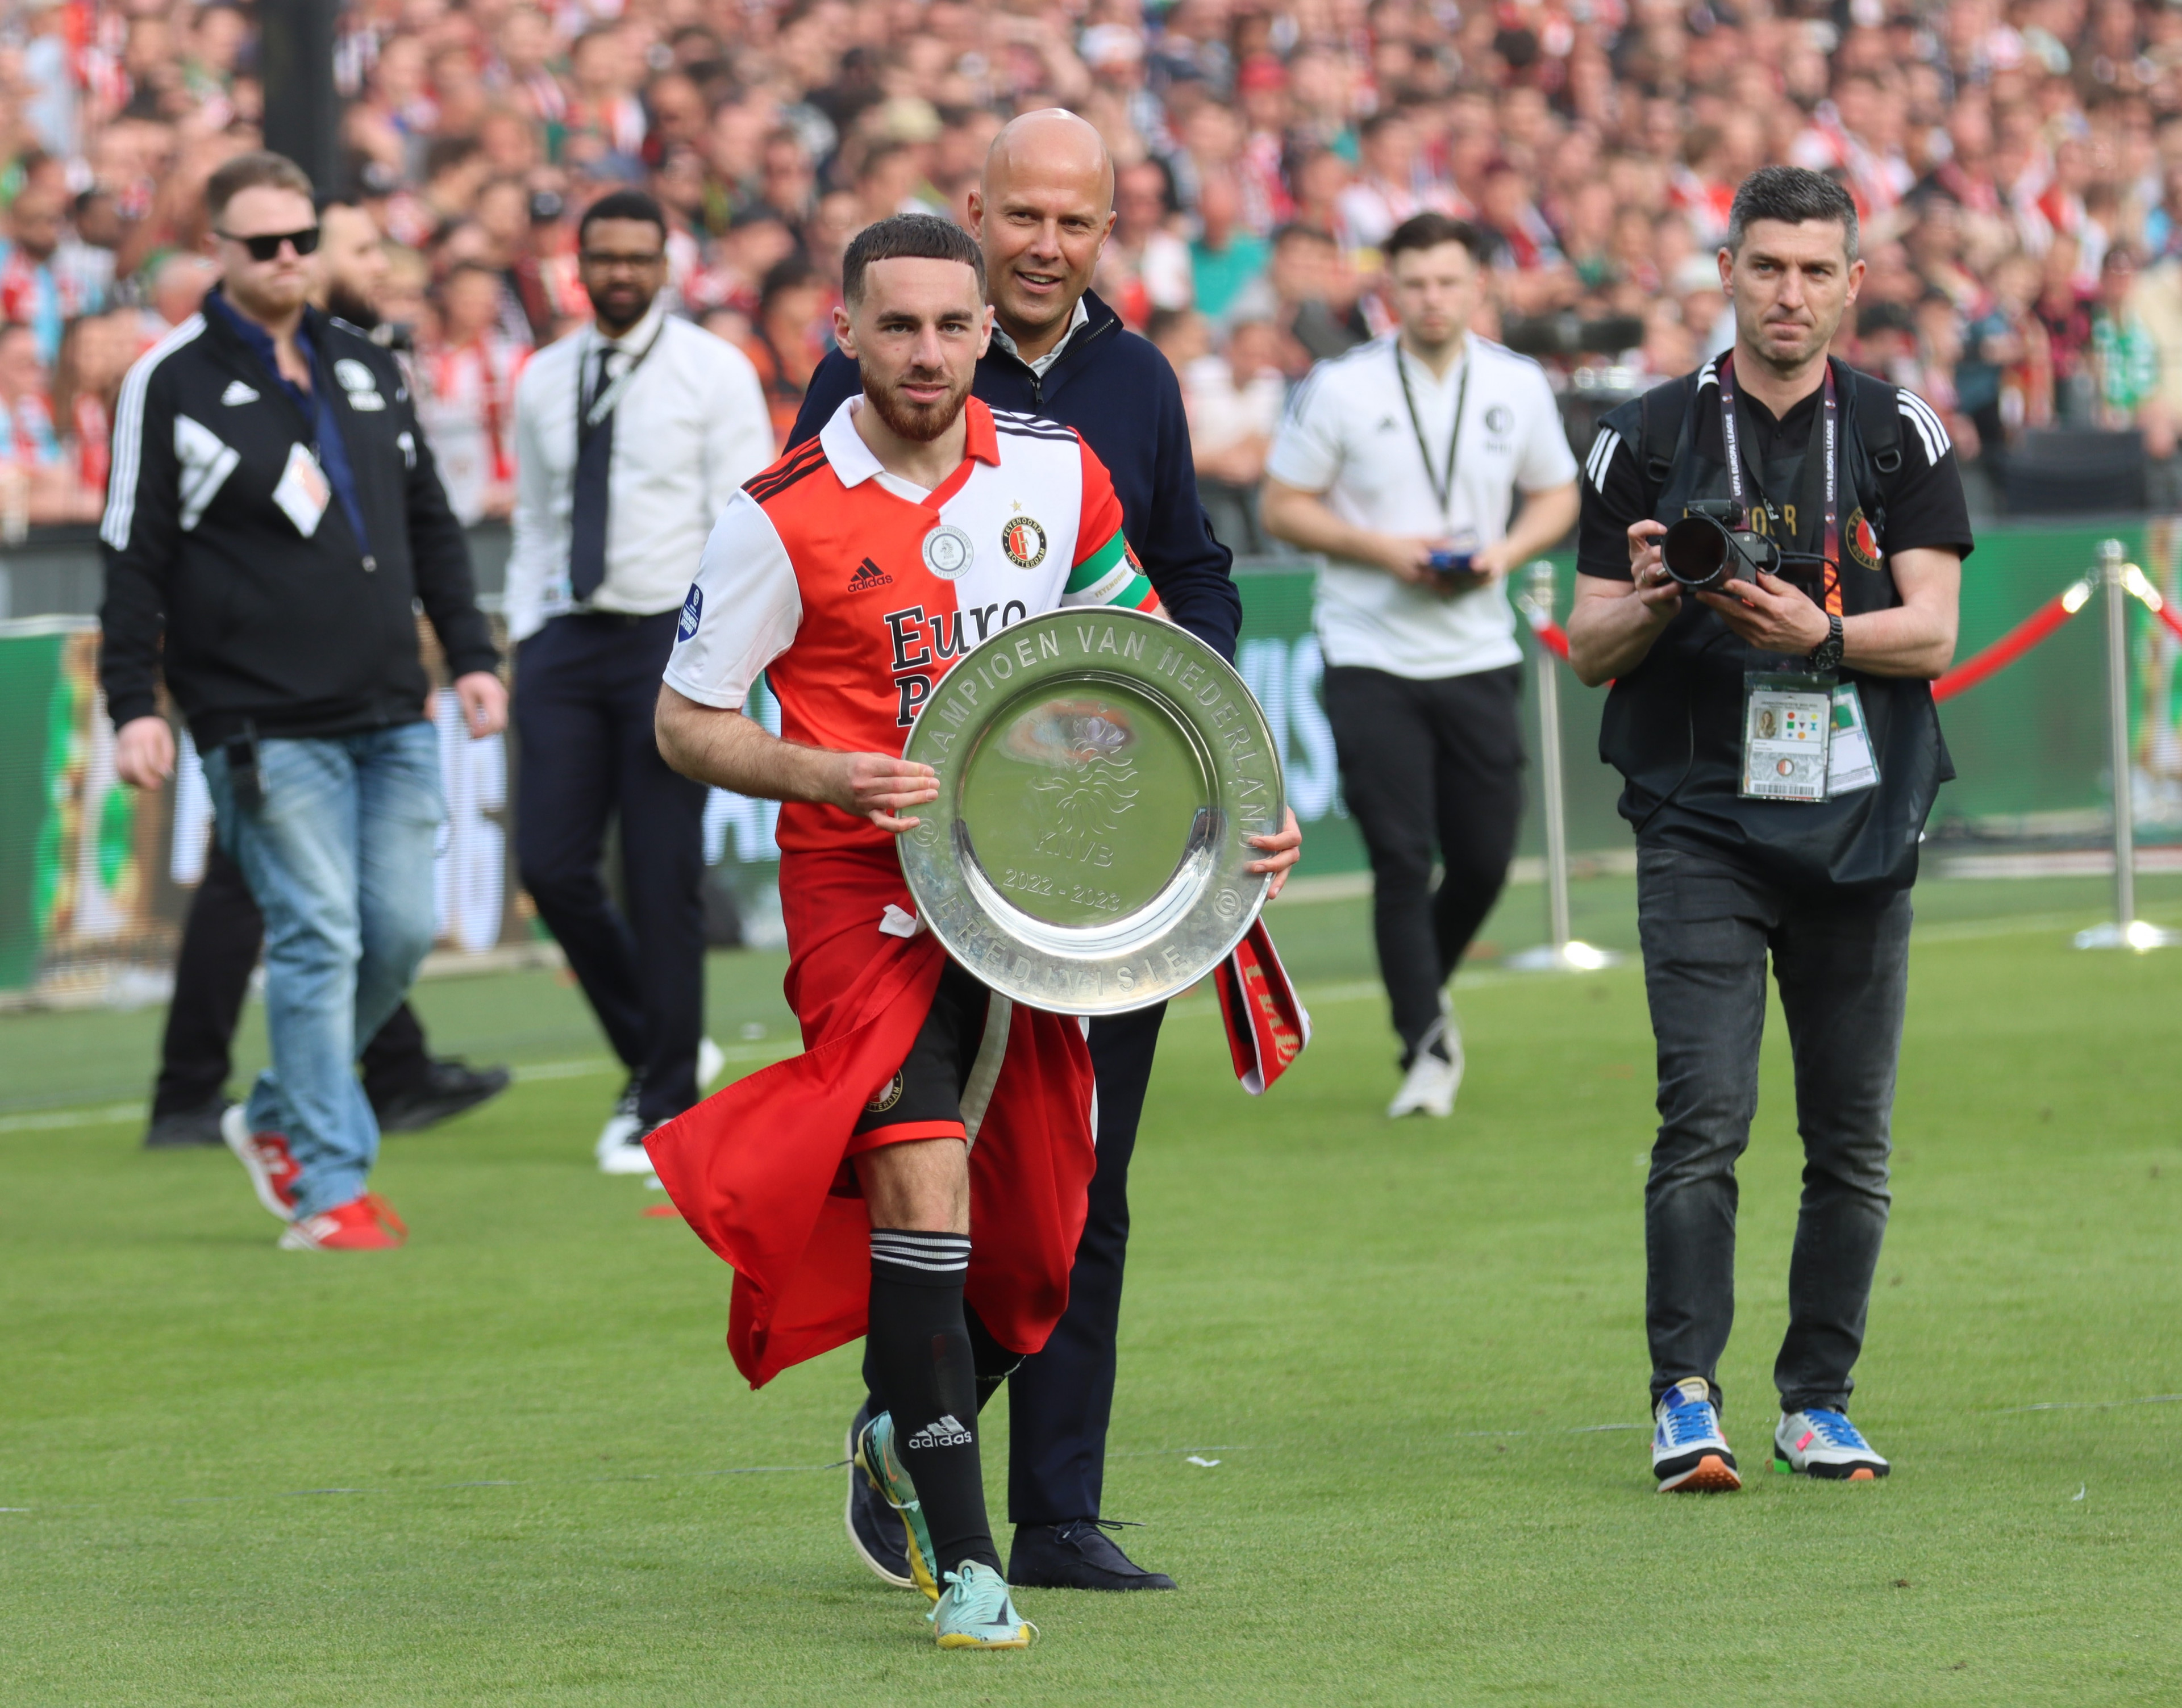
(1842, 966)
(339, 855)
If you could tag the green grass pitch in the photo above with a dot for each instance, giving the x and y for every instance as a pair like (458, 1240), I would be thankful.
(514, 1464)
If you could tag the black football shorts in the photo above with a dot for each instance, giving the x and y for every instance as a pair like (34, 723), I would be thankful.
(926, 1090)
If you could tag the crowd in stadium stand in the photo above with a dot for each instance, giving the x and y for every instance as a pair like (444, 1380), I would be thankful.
(2017, 163)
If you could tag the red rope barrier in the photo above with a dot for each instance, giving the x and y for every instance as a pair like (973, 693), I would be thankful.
(1970, 671)
(1554, 638)
(2014, 644)
(2165, 613)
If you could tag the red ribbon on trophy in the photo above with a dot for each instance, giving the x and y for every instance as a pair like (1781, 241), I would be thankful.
(1267, 1026)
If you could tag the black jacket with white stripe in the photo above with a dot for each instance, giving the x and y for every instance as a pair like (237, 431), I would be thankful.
(271, 610)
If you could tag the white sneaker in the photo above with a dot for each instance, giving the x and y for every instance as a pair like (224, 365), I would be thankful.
(1817, 1442)
(710, 1060)
(629, 1156)
(1688, 1452)
(614, 1137)
(1434, 1079)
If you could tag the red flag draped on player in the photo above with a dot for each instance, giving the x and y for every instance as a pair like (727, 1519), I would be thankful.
(759, 1169)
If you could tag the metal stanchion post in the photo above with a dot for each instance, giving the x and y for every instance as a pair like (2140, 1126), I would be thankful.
(2125, 930)
(1562, 952)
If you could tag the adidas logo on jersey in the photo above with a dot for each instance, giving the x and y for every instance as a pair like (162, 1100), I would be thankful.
(868, 574)
(943, 1432)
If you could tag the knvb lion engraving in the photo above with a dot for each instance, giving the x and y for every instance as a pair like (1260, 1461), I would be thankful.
(1090, 784)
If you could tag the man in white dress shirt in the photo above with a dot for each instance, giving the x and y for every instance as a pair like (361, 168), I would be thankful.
(1402, 462)
(630, 437)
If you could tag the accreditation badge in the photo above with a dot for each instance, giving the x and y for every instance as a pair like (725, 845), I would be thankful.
(1787, 723)
(303, 493)
(1851, 764)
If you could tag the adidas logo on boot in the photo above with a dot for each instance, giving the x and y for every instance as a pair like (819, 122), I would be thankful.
(944, 1431)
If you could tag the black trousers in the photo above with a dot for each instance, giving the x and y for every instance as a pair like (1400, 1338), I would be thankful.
(1060, 1398)
(1842, 967)
(585, 690)
(1428, 764)
(220, 943)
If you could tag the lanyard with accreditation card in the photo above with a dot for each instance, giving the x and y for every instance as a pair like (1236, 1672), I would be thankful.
(1804, 737)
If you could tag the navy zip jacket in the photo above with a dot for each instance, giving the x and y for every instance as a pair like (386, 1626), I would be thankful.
(1118, 391)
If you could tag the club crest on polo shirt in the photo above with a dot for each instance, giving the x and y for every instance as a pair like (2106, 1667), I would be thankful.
(693, 613)
(1024, 542)
(1863, 543)
(360, 384)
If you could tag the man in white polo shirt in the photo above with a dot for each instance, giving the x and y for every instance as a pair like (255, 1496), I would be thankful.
(1402, 462)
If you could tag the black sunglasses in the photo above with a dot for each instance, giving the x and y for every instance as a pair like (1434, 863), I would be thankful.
(266, 248)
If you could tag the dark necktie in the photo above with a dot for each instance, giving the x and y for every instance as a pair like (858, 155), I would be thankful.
(587, 518)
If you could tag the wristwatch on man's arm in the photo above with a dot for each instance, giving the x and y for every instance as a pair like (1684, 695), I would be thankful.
(1827, 654)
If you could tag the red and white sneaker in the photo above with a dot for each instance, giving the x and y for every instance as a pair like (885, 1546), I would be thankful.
(367, 1224)
(272, 1170)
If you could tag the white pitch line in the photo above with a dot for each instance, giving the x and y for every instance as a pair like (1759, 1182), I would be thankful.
(2092, 1405)
(47, 1120)
(576, 1068)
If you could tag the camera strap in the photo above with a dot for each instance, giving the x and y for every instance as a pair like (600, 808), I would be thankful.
(1731, 438)
(1442, 484)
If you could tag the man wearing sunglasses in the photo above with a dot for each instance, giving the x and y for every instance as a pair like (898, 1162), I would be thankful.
(273, 520)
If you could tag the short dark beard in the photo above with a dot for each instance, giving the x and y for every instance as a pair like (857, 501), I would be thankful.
(919, 423)
(618, 329)
(346, 305)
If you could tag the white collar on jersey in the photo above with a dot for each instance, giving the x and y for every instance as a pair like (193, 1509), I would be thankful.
(852, 459)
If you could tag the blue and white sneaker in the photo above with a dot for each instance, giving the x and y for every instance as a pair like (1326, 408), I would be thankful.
(975, 1612)
(1822, 1443)
(1689, 1454)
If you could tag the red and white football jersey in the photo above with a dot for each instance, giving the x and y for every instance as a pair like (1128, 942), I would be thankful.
(854, 592)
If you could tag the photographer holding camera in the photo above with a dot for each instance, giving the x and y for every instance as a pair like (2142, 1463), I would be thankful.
(1768, 563)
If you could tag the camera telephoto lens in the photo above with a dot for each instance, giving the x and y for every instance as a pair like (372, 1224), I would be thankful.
(1697, 552)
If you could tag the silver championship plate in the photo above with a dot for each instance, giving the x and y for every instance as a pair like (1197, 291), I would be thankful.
(1098, 773)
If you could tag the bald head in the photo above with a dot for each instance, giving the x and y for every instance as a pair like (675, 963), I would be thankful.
(1042, 212)
(1051, 142)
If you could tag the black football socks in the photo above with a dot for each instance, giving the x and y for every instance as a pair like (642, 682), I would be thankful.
(994, 1362)
(919, 1347)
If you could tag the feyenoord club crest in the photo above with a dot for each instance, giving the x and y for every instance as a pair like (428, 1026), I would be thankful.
(1863, 543)
(1024, 542)
(948, 551)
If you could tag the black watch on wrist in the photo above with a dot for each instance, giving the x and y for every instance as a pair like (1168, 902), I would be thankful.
(1827, 654)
